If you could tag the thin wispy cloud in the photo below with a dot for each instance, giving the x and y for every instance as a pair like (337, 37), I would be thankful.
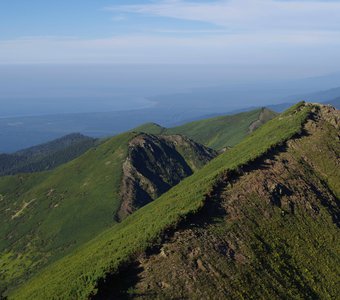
(119, 18)
(214, 48)
(247, 15)
(177, 31)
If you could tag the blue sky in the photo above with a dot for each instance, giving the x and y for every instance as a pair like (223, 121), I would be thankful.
(288, 32)
(88, 19)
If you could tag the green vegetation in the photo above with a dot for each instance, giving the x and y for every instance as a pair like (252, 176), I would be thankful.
(46, 156)
(285, 257)
(218, 132)
(76, 276)
(250, 246)
(290, 257)
(47, 215)
(151, 128)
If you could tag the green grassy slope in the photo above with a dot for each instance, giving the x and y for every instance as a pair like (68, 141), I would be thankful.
(270, 231)
(76, 276)
(48, 214)
(218, 132)
(151, 128)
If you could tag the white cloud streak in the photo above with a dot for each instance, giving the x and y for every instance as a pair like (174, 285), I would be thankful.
(248, 15)
(252, 31)
(230, 48)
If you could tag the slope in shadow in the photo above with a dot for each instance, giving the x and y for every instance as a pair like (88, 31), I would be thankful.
(154, 165)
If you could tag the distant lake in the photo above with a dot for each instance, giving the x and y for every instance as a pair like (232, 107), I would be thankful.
(17, 107)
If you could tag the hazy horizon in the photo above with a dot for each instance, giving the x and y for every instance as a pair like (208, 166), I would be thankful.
(56, 89)
(62, 57)
(158, 60)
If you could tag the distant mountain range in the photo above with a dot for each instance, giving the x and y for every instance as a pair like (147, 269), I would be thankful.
(45, 156)
(325, 96)
(330, 97)
(23, 132)
(19, 133)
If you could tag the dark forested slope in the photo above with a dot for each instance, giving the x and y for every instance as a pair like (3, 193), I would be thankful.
(45, 156)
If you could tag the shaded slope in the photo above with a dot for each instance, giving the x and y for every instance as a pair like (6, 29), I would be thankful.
(218, 132)
(80, 274)
(47, 215)
(45, 156)
(155, 164)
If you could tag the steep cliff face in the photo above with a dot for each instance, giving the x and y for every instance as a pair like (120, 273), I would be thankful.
(268, 230)
(155, 164)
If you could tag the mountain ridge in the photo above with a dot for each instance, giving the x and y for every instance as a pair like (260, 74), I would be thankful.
(109, 251)
(217, 132)
(246, 242)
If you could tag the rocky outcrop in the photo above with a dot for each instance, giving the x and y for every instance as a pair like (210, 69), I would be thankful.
(264, 117)
(155, 164)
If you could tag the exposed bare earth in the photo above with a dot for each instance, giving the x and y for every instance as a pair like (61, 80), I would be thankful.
(264, 117)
